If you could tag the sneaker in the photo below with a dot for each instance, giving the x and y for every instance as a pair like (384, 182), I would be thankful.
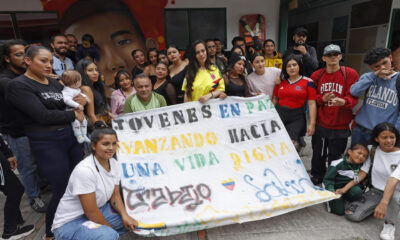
(387, 232)
(44, 237)
(39, 205)
(19, 232)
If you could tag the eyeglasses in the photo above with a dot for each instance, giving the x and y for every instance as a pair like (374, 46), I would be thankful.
(332, 54)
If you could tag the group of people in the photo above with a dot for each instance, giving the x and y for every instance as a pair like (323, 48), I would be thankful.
(55, 109)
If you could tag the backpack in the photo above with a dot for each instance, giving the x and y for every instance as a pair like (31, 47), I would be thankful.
(343, 69)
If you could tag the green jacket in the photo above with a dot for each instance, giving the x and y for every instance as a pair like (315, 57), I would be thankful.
(339, 174)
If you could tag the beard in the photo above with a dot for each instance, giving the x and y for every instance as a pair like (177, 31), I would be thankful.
(58, 51)
(19, 67)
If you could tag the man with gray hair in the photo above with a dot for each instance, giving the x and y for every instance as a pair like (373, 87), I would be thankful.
(334, 113)
(144, 98)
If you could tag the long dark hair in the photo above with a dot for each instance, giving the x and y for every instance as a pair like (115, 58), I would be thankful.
(236, 47)
(98, 85)
(299, 61)
(5, 50)
(99, 132)
(385, 126)
(119, 74)
(194, 66)
(148, 54)
(232, 63)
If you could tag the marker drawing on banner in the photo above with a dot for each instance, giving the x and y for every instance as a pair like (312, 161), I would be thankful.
(196, 166)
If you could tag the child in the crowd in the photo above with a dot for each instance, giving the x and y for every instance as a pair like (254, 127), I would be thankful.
(340, 173)
(87, 49)
(72, 81)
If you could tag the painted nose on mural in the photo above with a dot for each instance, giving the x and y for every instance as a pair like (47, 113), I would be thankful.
(111, 62)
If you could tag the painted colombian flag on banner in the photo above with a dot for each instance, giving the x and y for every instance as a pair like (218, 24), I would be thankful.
(196, 166)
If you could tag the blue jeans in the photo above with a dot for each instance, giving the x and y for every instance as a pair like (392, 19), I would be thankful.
(27, 166)
(360, 136)
(75, 230)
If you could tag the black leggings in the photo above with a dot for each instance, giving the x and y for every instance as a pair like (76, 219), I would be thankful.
(57, 153)
(14, 190)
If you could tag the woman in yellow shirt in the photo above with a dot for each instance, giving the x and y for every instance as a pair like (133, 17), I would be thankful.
(272, 57)
(203, 80)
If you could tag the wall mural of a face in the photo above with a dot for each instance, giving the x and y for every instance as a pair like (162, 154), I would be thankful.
(116, 39)
(118, 27)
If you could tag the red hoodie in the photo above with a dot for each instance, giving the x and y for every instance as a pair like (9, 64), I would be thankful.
(329, 116)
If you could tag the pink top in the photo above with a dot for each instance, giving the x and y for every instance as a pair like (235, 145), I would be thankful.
(118, 101)
(263, 83)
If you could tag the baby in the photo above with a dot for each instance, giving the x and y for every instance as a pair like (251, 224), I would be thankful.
(72, 81)
(340, 173)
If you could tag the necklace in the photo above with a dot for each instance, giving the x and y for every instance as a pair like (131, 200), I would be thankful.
(101, 177)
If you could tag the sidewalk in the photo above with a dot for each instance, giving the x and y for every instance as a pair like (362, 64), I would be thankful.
(304, 224)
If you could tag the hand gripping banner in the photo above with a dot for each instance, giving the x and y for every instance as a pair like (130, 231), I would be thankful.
(196, 166)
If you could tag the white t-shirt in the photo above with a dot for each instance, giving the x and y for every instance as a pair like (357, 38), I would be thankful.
(385, 166)
(263, 83)
(85, 178)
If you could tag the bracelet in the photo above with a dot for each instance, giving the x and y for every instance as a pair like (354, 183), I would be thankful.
(212, 94)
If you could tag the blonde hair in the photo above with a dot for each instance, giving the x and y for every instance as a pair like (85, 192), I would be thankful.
(70, 77)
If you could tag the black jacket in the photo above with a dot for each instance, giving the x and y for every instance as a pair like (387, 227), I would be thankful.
(310, 60)
(8, 124)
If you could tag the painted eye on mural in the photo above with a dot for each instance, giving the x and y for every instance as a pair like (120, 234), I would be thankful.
(123, 42)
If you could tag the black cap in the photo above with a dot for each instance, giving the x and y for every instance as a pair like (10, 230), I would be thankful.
(300, 30)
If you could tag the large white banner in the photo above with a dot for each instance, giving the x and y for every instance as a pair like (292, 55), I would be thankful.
(195, 166)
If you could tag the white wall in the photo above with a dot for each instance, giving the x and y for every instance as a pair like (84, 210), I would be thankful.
(396, 4)
(237, 8)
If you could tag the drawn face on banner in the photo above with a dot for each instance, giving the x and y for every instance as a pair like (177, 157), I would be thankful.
(116, 38)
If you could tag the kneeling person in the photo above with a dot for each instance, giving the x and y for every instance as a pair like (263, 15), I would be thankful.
(84, 211)
(339, 177)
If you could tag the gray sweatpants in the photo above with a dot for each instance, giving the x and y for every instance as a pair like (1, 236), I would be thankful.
(367, 204)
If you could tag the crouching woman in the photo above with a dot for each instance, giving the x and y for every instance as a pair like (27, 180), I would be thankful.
(91, 207)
